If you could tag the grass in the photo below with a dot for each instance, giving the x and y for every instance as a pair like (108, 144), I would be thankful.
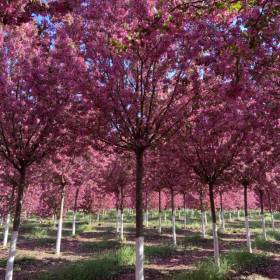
(273, 235)
(19, 262)
(159, 251)
(39, 232)
(104, 267)
(243, 260)
(85, 228)
(191, 224)
(233, 262)
(264, 245)
(3, 262)
(25, 260)
(206, 270)
(45, 240)
(195, 240)
(102, 245)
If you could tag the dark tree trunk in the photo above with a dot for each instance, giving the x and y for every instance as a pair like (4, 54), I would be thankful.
(172, 201)
(212, 203)
(76, 199)
(12, 199)
(139, 189)
(245, 200)
(262, 214)
(269, 201)
(121, 200)
(185, 202)
(159, 201)
(146, 201)
(201, 201)
(19, 200)
(261, 201)
(214, 224)
(221, 201)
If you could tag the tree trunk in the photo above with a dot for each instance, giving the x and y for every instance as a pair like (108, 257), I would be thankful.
(271, 210)
(222, 211)
(159, 213)
(139, 271)
(54, 220)
(185, 213)
(90, 219)
(203, 231)
(118, 214)
(247, 226)
(146, 215)
(121, 224)
(173, 219)
(8, 218)
(16, 224)
(147, 218)
(214, 225)
(75, 213)
(262, 216)
(6, 230)
(122, 214)
(60, 222)
(205, 218)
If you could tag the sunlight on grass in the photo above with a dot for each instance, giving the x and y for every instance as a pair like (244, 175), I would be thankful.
(231, 263)
(104, 267)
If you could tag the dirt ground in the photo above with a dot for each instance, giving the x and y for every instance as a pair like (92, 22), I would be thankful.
(36, 247)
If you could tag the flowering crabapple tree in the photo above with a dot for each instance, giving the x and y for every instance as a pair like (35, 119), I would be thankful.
(169, 175)
(152, 182)
(138, 80)
(34, 106)
(18, 12)
(272, 191)
(117, 180)
(85, 167)
(194, 197)
(68, 171)
(209, 145)
(250, 167)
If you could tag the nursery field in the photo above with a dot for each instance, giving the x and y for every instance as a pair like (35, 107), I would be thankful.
(96, 252)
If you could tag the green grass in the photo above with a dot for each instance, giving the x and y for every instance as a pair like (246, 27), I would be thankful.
(85, 228)
(206, 270)
(45, 240)
(243, 260)
(195, 240)
(39, 232)
(97, 269)
(235, 261)
(273, 235)
(102, 245)
(193, 224)
(159, 251)
(262, 244)
(3, 262)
